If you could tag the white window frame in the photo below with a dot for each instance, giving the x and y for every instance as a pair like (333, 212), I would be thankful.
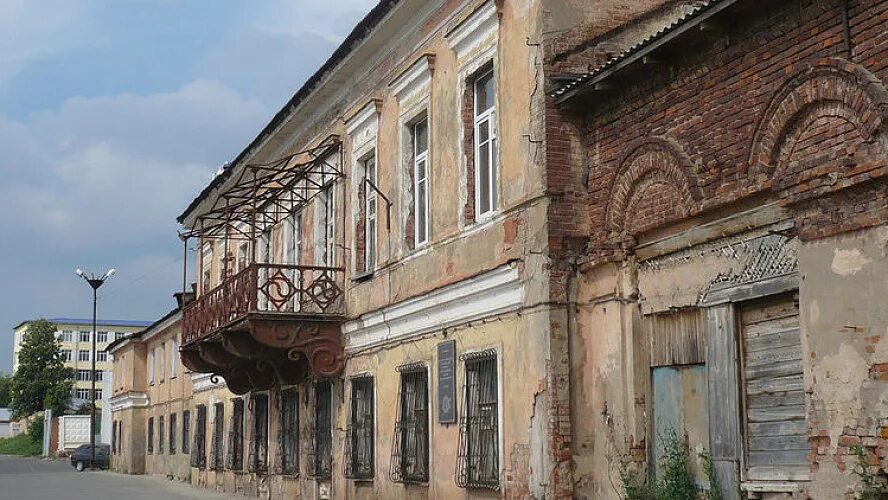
(80, 357)
(80, 336)
(480, 117)
(161, 360)
(206, 262)
(102, 337)
(78, 392)
(174, 362)
(151, 366)
(325, 249)
(371, 217)
(101, 356)
(421, 183)
(66, 355)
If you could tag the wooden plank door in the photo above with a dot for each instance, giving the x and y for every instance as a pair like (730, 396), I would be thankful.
(776, 439)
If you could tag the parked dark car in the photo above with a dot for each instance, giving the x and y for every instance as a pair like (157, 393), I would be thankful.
(81, 456)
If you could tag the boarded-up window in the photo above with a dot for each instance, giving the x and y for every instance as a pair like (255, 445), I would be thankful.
(259, 438)
(677, 338)
(150, 435)
(236, 436)
(289, 430)
(186, 431)
(218, 436)
(774, 398)
(322, 435)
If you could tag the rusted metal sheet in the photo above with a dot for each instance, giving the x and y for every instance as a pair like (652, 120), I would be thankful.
(677, 338)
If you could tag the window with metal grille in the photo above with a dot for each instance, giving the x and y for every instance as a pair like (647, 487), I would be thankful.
(114, 437)
(150, 435)
(216, 450)
(236, 436)
(199, 450)
(410, 447)
(186, 431)
(259, 439)
(289, 430)
(359, 445)
(160, 434)
(478, 458)
(322, 435)
(172, 434)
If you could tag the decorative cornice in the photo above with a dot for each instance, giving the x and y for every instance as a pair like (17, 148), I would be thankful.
(131, 399)
(475, 31)
(486, 295)
(365, 114)
(414, 79)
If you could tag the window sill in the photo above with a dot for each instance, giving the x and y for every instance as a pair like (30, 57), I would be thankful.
(363, 276)
(290, 477)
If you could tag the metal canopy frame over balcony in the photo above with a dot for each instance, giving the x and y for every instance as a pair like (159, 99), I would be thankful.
(268, 323)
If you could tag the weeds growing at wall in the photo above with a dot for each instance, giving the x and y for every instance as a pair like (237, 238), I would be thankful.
(872, 487)
(676, 480)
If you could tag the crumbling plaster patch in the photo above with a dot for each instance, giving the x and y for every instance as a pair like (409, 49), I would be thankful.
(838, 379)
(849, 262)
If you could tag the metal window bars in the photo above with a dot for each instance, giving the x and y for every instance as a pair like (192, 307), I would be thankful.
(236, 436)
(259, 439)
(150, 435)
(410, 446)
(160, 435)
(478, 455)
(322, 431)
(289, 431)
(172, 434)
(199, 450)
(186, 431)
(218, 437)
(359, 451)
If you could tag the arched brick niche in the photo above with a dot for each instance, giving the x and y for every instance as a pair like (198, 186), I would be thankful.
(654, 185)
(827, 123)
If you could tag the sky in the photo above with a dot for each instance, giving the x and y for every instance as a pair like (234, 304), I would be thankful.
(114, 114)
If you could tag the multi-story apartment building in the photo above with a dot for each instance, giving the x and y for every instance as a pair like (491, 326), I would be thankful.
(502, 248)
(75, 337)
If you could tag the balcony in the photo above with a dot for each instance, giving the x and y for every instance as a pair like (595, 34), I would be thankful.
(267, 324)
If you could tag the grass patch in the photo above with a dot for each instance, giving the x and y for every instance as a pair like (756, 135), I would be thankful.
(21, 445)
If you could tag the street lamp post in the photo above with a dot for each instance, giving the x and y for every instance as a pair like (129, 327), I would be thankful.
(95, 282)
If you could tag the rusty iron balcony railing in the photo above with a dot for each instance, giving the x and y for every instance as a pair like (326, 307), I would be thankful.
(266, 289)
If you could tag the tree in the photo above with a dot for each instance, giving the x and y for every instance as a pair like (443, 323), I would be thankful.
(5, 387)
(42, 380)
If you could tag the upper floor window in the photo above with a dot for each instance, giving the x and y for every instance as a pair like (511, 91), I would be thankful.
(371, 208)
(420, 136)
(102, 337)
(206, 266)
(100, 375)
(174, 358)
(66, 336)
(101, 356)
(82, 375)
(81, 394)
(119, 335)
(84, 336)
(293, 235)
(360, 450)
(161, 360)
(485, 138)
(325, 236)
(83, 355)
(151, 366)
(66, 355)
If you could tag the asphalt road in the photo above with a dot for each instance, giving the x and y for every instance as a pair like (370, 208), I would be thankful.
(30, 478)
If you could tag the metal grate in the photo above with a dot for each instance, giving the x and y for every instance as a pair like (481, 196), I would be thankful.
(199, 450)
(478, 460)
(359, 450)
(150, 435)
(186, 431)
(218, 437)
(322, 432)
(410, 447)
(259, 439)
(236, 436)
(172, 434)
(289, 431)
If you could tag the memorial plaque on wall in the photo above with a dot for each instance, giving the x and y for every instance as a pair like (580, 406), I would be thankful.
(447, 382)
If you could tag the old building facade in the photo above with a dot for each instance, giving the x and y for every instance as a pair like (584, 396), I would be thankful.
(729, 172)
(503, 248)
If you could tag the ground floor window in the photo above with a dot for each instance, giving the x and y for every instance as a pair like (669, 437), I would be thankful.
(150, 435)
(478, 459)
(236, 436)
(114, 438)
(199, 450)
(218, 436)
(322, 436)
(186, 431)
(359, 448)
(172, 434)
(289, 431)
(410, 450)
(259, 439)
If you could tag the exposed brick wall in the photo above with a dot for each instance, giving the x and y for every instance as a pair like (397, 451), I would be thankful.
(773, 106)
(467, 112)
(361, 229)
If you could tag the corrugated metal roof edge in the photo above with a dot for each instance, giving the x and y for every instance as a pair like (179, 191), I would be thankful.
(571, 89)
(362, 29)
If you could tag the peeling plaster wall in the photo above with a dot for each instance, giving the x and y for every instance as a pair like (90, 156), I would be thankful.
(844, 327)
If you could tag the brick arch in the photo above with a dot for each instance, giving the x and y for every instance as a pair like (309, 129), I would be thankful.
(655, 184)
(832, 89)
